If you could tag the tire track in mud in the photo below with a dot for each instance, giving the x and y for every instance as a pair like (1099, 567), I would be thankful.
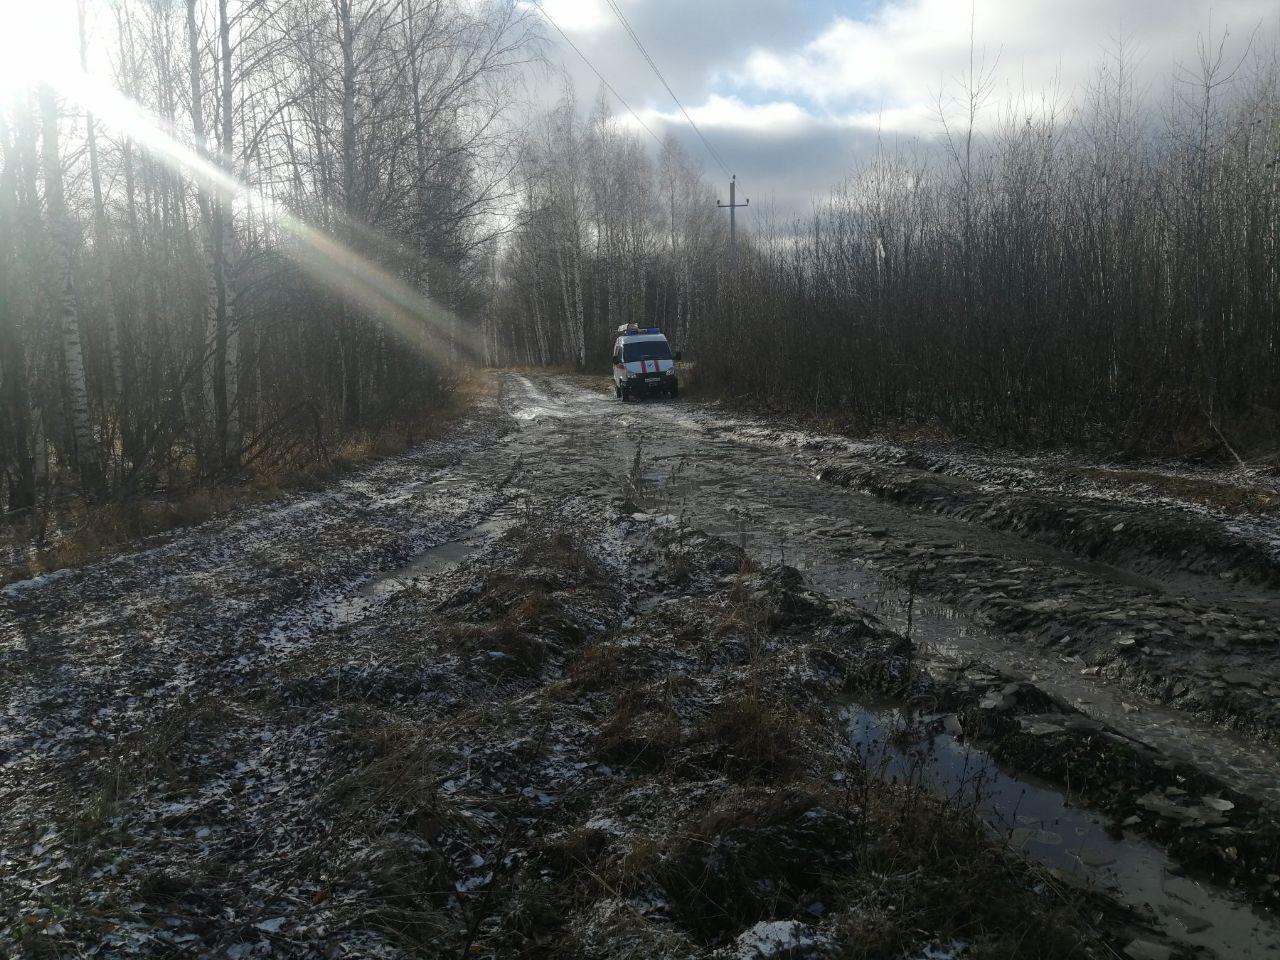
(1168, 670)
(1110, 517)
(93, 657)
(1176, 548)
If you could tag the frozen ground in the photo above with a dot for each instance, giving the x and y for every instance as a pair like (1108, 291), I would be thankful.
(197, 701)
(1167, 653)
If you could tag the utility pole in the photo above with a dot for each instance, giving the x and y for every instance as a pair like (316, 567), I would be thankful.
(732, 206)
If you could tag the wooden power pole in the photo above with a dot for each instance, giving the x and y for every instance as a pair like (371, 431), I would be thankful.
(733, 206)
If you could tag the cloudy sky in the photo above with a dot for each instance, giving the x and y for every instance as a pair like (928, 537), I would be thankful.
(792, 92)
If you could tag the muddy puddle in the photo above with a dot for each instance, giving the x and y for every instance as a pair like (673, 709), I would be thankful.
(806, 526)
(431, 561)
(942, 631)
(1037, 821)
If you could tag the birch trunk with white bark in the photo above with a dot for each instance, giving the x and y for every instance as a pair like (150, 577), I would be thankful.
(206, 321)
(228, 322)
(62, 253)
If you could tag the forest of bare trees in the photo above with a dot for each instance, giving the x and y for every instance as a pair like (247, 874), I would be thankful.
(607, 234)
(275, 223)
(282, 222)
(1066, 272)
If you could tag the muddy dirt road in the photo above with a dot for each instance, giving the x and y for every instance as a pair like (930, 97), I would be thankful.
(1129, 644)
(1044, 613)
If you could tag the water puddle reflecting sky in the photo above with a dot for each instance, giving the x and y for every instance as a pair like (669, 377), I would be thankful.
(1038, 822)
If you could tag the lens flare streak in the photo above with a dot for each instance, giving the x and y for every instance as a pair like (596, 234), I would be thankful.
(405, 311)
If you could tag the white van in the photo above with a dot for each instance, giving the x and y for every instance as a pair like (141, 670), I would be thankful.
(643, 364)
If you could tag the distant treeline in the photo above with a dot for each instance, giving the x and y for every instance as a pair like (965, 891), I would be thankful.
(1108, 271)
(604, 235)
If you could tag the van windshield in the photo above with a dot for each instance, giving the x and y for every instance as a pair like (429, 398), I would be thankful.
(646, 350)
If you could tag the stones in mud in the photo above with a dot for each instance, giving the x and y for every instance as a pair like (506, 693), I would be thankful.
(1039, 728)
(1093, 857)
(1192, 815)
(1146, 950)
(1240, 678)
(995, 701)
(1045, 606)
(1004, 698)
(1189, 922)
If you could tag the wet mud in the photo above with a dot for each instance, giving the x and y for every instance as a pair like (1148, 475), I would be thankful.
(501, 695)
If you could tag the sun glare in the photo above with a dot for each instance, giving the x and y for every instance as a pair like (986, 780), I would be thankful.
(39, 42)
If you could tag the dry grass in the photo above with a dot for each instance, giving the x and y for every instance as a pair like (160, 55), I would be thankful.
(85, 532)
(506, 647)
(390, 799)
(520, 617)
(890, 865)
(756, 736)
(721, 799)
(1227, 497)
(76, 532)
(887, 869)
(597, 667)
(926, 864)
(643, 730)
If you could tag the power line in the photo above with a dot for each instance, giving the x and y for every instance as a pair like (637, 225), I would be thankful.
(635, 38)
(546, 16)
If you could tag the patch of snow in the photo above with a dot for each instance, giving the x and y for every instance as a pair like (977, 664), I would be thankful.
(469, 884)
(34, 583)
(772, 938)
(951, 950)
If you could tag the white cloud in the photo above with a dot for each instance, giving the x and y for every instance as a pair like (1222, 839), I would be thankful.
(782, 118)
(729, 111)
(578, 16)
(902, 55)
(793, 100)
